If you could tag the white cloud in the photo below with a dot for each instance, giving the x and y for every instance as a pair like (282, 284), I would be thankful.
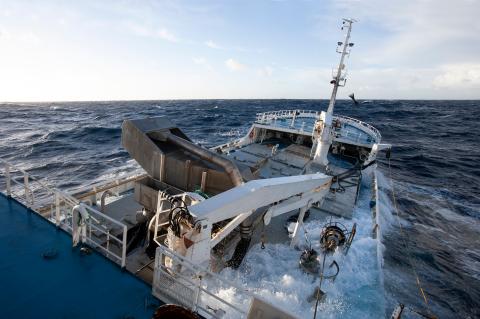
(166, 35)
(456, 76)
(265, 71)
(4, 34)
(310, 74)
(455, 81)
(417, 32)
(199, 60)
(146, 31)
(203, 62)
(213, 45)
(234, 65)
(21, 37)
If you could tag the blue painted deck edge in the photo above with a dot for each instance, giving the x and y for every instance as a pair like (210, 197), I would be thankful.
(70, 285)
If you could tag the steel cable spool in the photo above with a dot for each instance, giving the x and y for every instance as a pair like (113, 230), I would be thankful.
(333, 235)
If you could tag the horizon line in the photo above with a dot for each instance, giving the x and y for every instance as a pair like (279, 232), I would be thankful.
(232, 99)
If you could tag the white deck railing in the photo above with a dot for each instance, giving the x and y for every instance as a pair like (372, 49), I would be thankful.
(230, 144)
(267, 117)
(191, 286)
(56, 206)
(270, 118)
(93, 192)
(371, 129)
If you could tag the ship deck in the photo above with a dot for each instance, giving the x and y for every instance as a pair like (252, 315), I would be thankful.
(294, 159)
(42, 274)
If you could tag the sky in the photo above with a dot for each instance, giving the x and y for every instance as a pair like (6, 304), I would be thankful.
(147, 50)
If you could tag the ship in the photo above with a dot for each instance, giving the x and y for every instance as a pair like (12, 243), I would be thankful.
(184, 228)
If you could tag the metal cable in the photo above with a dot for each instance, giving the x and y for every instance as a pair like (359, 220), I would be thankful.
(410, 258)
(320, 285)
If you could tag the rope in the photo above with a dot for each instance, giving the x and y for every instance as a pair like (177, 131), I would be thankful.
(410, 258)
(320, 285)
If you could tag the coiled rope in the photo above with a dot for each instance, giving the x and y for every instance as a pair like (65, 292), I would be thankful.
(410, 258)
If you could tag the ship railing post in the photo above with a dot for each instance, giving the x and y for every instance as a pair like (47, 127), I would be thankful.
(124, 247)
(57, 208)
(108, 243)
(89, 225)
(197, 293)
(28, 200)
(8, 180)
(93, 197)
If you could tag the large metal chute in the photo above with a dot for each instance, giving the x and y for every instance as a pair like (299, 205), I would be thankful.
(230, 168)
(169, 156)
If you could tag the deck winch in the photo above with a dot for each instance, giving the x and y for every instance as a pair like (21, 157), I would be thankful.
(334, 234)
(309, 261)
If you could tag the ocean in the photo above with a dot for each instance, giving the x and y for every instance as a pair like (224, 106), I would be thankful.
(435, 167)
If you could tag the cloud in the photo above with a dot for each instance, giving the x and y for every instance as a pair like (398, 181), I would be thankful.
(166, 35)
(234, 65)
(417, 33)
(4, 33)
(20, 37)
(455, 76)
(203, 62)
(265, 71)
(450, 81)
(150, 32)
(213, 45)
(453, 81)
(199, 60)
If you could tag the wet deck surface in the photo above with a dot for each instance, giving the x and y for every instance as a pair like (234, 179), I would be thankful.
(295, 160)
(66, 285)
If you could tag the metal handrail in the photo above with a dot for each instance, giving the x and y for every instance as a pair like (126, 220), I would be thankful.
(228, 144)
(267, 117)
(50, 189)
(69, 201)
(374, 130)
(102, 186)
(192, 274)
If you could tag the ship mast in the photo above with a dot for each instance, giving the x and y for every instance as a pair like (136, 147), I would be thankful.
(323, 126)
(340, 78)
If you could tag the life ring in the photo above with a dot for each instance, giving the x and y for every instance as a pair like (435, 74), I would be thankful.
(252, 134)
